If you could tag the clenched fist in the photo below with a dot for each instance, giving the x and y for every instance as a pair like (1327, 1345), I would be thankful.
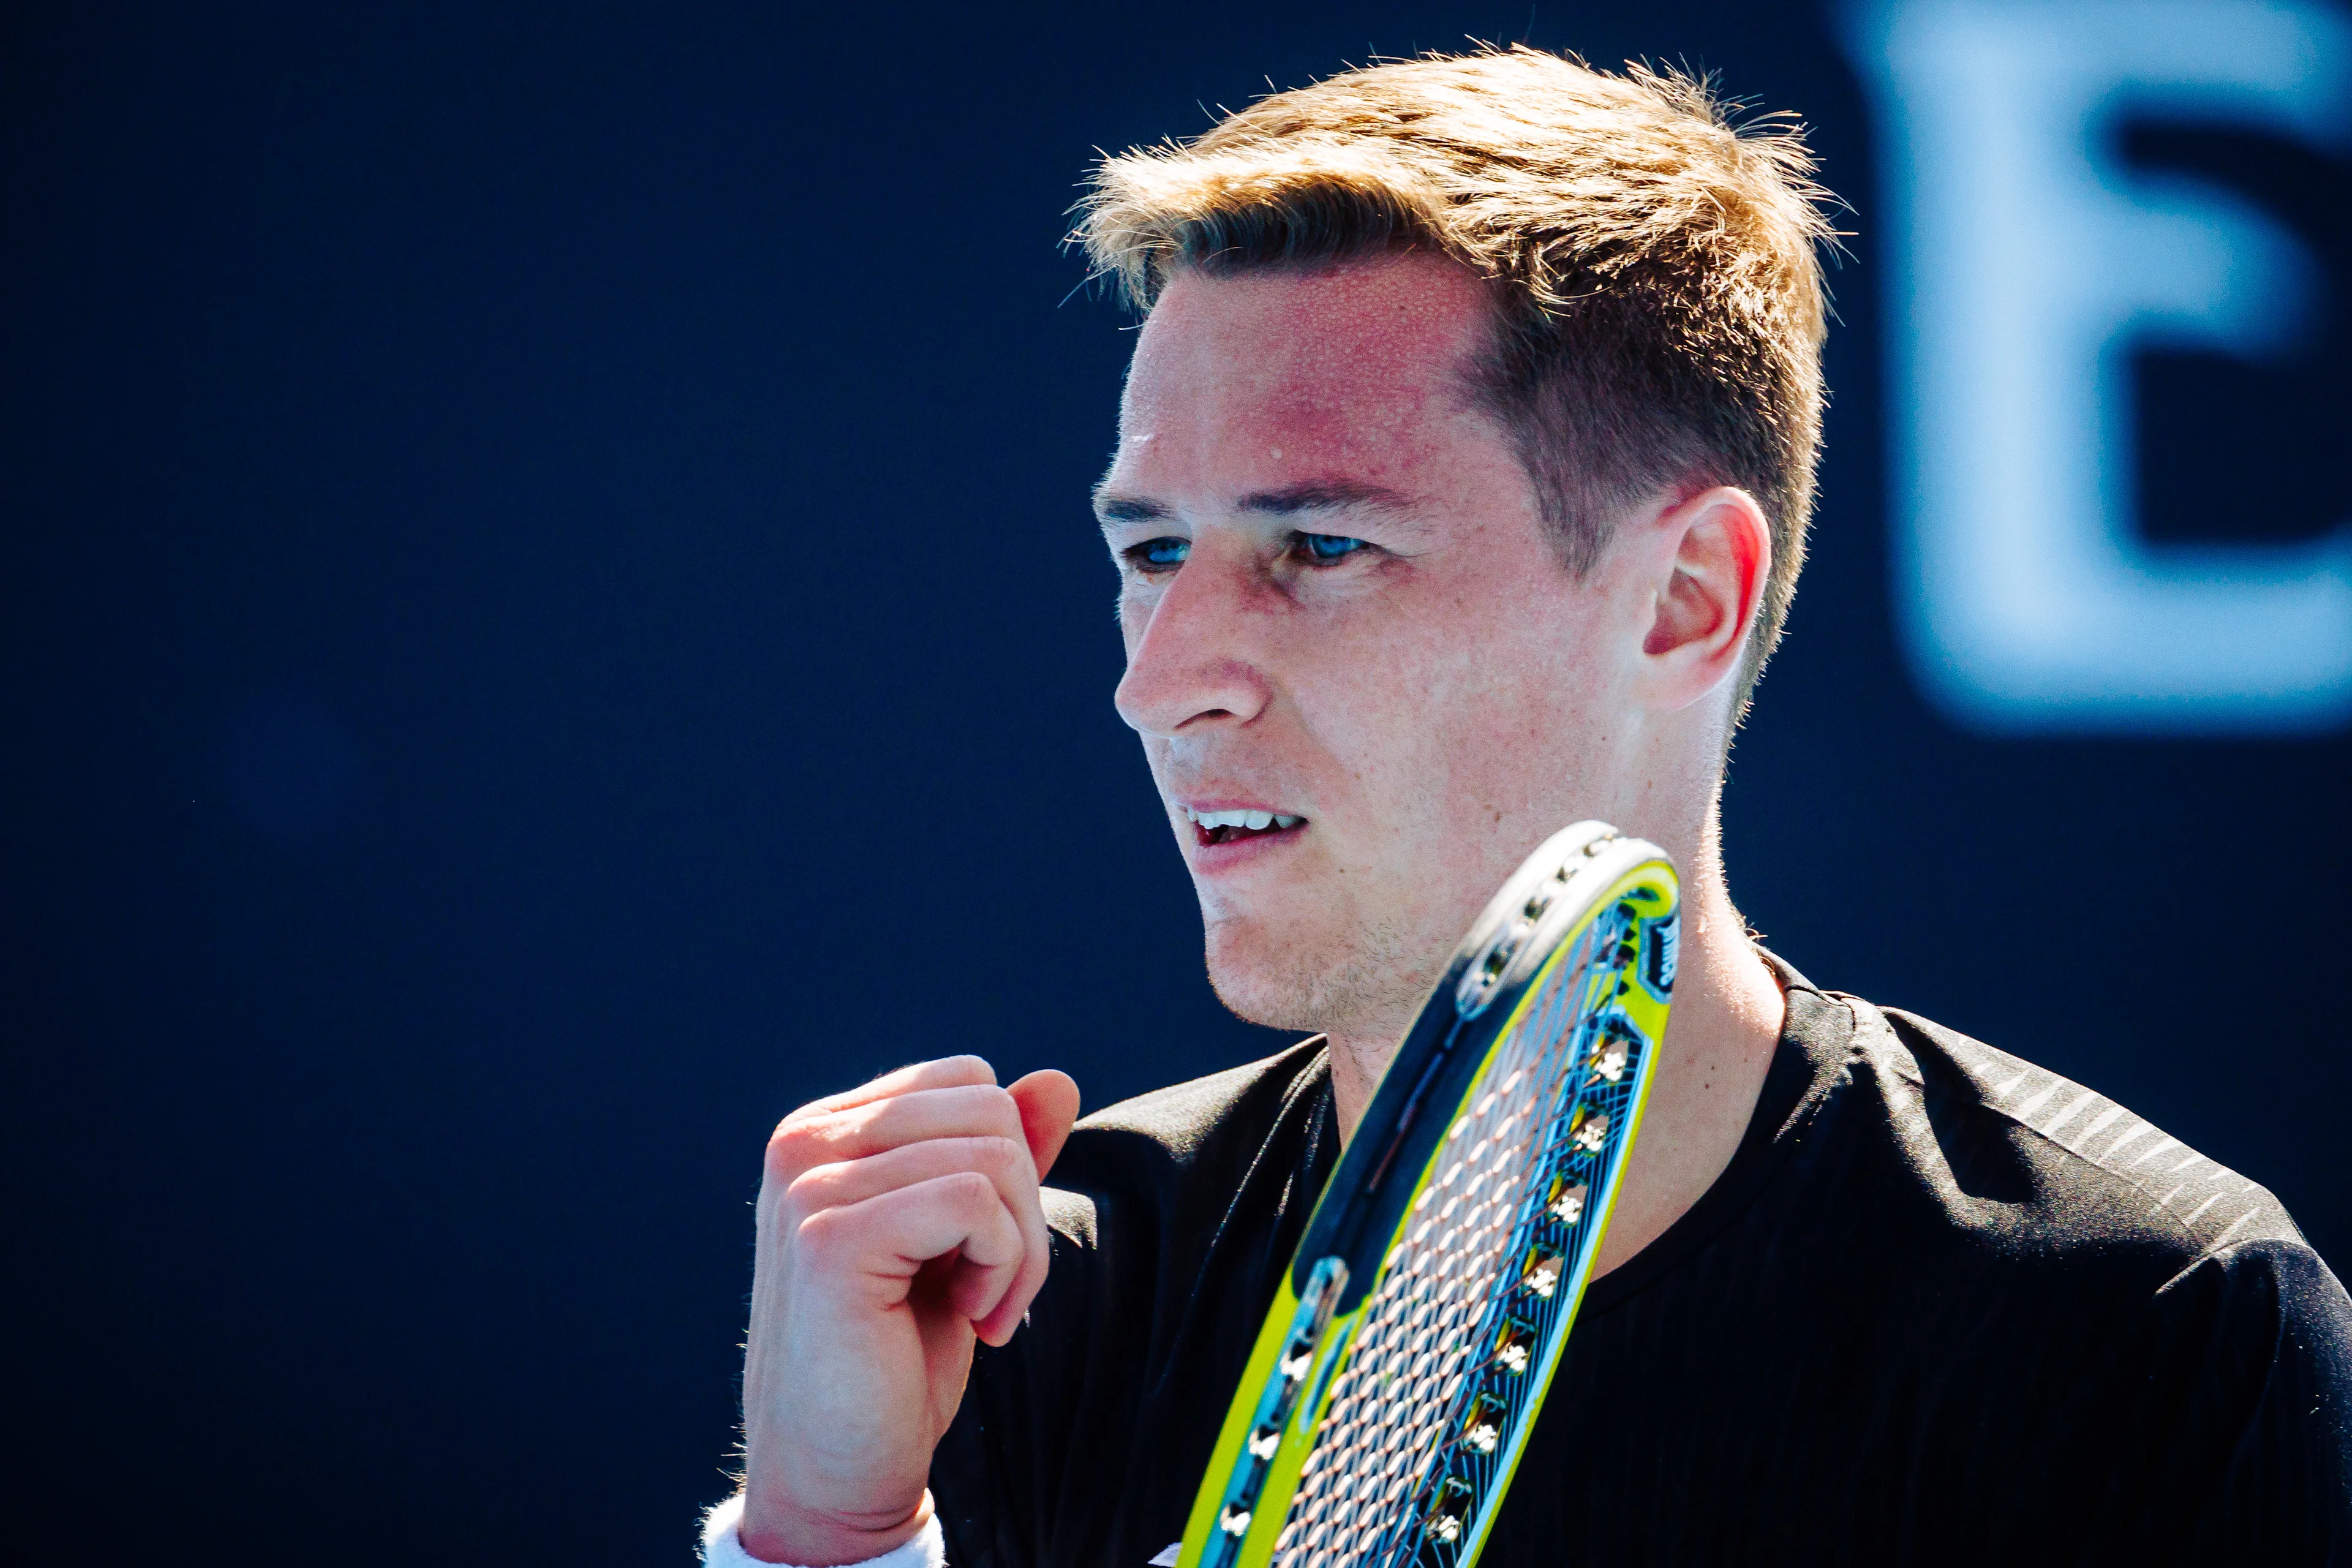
(896, 1223)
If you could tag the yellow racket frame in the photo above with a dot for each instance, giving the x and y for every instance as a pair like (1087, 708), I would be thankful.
(1653, 886)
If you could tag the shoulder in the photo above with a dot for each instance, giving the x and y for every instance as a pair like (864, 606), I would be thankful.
(2136, 1320)
(2084, 1174)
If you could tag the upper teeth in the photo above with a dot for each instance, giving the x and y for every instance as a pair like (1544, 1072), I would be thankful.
(1254, 820)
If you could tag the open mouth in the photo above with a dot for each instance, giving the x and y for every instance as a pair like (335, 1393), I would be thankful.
(1240, 824)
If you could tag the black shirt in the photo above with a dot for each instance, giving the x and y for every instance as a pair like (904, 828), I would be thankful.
(1941, 1307)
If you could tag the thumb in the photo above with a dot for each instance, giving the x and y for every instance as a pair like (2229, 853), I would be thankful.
(1049, 1104)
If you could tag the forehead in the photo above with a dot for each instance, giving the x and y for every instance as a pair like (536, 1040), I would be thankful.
(1346, 360)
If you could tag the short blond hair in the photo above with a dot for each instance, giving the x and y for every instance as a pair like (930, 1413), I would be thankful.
(1659, 302)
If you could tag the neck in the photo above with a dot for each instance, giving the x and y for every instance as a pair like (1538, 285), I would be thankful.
(1726, 1021)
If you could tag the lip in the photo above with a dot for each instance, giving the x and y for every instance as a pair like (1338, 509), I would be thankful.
(1218, 859)
(1212, 859)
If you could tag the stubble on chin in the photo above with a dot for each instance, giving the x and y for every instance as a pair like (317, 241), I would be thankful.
(1369, 983)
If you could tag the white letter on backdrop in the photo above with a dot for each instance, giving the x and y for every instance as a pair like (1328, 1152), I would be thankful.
(2025, 263)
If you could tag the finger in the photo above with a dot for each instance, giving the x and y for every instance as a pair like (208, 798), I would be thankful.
(890, 1238)
(1004, 1161)
(988, 1263)
(808, 1139)
(945, 1072)
(997, 1325)
(979, 1293)
(966, 1110)
(1048, 1101)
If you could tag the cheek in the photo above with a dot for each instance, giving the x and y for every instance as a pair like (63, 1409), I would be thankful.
(1456, 718)
(1397, 713)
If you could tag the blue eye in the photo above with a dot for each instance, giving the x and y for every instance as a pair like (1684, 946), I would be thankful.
(1164, 551)
(1329, 546)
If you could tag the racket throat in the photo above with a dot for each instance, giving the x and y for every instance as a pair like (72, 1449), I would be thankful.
(1410, 1114)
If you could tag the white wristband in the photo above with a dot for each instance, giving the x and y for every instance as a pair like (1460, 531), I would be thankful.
(722, 1545)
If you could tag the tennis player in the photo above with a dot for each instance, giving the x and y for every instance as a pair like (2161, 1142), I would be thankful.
(1462, 482)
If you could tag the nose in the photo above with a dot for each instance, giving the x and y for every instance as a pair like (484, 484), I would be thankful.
(1199, 664)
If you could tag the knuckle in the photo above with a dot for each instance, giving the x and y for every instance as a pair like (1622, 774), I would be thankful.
(818, 1235)
(777, 1162)
(1001, 1108)
(970, 1189)
(791, 1149)
(999, 1155)
(806, 1195)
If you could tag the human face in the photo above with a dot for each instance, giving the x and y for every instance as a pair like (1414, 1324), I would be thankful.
(1341, 616)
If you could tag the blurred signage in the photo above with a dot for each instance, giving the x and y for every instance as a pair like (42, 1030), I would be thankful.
(2028, 264)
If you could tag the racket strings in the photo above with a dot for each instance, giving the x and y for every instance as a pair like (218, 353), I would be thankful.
(1407, 1394)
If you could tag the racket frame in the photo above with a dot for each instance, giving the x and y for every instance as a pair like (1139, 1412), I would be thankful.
(1498, 972)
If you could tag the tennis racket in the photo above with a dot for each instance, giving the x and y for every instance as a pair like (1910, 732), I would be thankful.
(1410, 1343)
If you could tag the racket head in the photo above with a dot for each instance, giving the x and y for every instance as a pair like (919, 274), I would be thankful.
(1407, 1352)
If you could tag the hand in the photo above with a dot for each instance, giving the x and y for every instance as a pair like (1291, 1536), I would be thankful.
(896, 1223)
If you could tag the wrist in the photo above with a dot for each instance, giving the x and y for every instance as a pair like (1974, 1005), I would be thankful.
(775, 1529)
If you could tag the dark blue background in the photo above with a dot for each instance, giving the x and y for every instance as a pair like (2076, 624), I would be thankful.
(549, 614)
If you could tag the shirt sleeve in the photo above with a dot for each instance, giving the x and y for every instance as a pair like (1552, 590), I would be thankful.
(2263, 1455)
(2215, 1427)
(722, 1543)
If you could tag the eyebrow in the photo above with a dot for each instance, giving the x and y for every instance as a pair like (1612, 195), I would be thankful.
(1322, 495)
(1327, 495)
(1112, 508)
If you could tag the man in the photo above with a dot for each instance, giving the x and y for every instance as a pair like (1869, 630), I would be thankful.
(1461, 488)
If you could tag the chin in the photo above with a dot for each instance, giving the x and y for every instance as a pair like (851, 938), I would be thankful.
(1364, 982)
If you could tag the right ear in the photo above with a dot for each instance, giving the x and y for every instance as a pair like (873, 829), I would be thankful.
(1049, 1105)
